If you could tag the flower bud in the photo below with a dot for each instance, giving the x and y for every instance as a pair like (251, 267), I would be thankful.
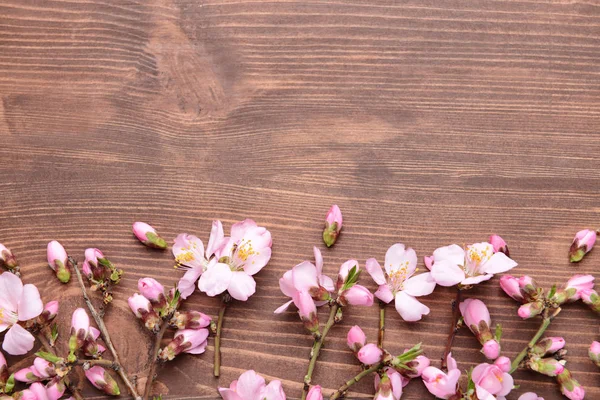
(190, 320)
(333, 225)
(529, 288)
(148, 236)
(49, 313)
(28, 375)
(152, 290)
(369, 354)
(356, 338)
(185, 340)
(36, 391)
(573, 289)
(491, 349)
(594, 353)
(511, 287)
(307, 311)
(142, 309)
(499, 245)
(530, 310)
(548, 346)
(315, 393)
(44, 368)
(569, 386)
(357, 295)
(102, 380)
(418, 365)
(8, 261)
(344, 273)
(91, 268)
(503, 363)
(55, 388)
(3, 370)
(546, 366)
(582, 244)
(57, 260)
(477, 318)
(80, 326)
(591, 299)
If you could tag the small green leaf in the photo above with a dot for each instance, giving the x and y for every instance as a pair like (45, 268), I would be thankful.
(49, 357)
(552, 291)
(498, 334)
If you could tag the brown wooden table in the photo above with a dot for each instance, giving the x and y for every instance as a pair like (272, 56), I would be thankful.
(429, 123)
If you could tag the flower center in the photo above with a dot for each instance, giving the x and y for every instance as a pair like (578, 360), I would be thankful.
(8, 317)
(245, 250)
(398, 276)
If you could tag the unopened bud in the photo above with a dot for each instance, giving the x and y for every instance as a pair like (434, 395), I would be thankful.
(190, 320)
(58, 261)
(530, 310)
(548, 346)
(582, 244)
(333, 225)
(356, 338)
(148, 236)
(569, 386)
(594, 353)
(102, 380)
(185, 341)
(369, 354)
(499, 245)
(8, 261)
(546, 366)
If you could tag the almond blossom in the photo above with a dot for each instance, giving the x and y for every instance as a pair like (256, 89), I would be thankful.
(441, 384)
(251, 386)
(400, 283)
(452, 265)
(18, 303)
(492, 380)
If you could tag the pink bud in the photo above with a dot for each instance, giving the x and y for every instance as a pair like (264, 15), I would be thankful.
(307, 310)
(148, 235)
(102, 380)
(315, 393)
(139, 305)
(581, 283)
(511, 287)
(90, 266)
(418, 364)
(55, 389)
(28, 375)
(57, 260)
(491, 349)
(357, 295)
(594, 353)
(428, 260)
(499, 245)
(44, 368)
(530, 310)
(475, 312)
(38, 390)
(152, 290)
(369, 354)
(503, 363)
(190, 320)
(356, 338)
(582, 244)
(8, 260)
(546, 366)
(345, 270)
(333, 225)
(52, 309)
(80, 321)
(185, 341)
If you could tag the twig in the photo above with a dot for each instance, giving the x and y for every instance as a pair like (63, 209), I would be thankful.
(515, 364)
(317, 348)
(342, 390)
(105, 335)
(103, 363)
(217, 363)
(453, 327)
(381, 324)
(46, 345)
(155, 350)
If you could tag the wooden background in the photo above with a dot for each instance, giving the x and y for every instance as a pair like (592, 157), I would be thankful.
(429, 123)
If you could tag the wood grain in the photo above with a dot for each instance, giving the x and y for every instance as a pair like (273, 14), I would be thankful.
(428, 122)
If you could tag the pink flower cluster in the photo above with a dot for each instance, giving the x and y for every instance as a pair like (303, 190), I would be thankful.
(251, 386)
(227, 264)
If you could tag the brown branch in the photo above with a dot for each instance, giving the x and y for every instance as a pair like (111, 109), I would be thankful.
(105, 335)
(217, 363)
(155, 351)
(453, 328)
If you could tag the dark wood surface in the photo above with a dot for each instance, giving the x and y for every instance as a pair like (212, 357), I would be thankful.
(429, 123)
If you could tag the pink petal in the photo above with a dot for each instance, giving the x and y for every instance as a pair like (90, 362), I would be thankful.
(189, 250)
(473, 280)
(18, 341)
(239, 229)
(327, 283)
(318, 260)
(409, 308)
(446, 273)
(30, 304)
(215, 280)
(187, 283)
(11, 288)
(228, 394)
(198, 349)
(483, 394)
(374, 269)
(397, 255)
(216, 238)
(250, 385)
(396, 380)
(451, 362)
(419, 285)
(283, 307)
(241, 286)
(384, 293)
(258, 261)
(273, 391)
(453, 253)
(286, 284)
(498, 263)
(305, 276)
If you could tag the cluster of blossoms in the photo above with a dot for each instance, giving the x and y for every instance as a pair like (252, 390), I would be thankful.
(101, 273)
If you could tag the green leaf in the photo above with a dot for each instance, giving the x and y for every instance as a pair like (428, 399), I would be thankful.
(552, 291)
(498, 334)
(49, 357)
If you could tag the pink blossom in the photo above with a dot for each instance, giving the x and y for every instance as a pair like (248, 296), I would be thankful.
(191, 256)
(580, 283)
(28, 375)
(307, 277)
(477, 318)
(440, 384)
(356, 295)
(356, 338)
(499, 244)
(529, 396)
(389, 386)
(3, 370)
(333, 225)
(315, 393)
(49, 313)
(369, 354)
(453, 265)
(503, 363)
(344, 272)
(582, 244)
(55, 389)
(251, 386)
(139, 305)
(57, 260)
(148, 235)
(80, 322)
(307, 310)
(152, 290)
(102, 380)
(489, 379)
(190, 320)
(192, 341)
(18, 302)
(400, 283)
(511, 287)
(244, 254)
(36, 391)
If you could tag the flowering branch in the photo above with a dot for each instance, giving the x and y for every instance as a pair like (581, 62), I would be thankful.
(453, 327)
(217, 365)
(342, 390)
(105, 335)
(515, 363)
(155, 360)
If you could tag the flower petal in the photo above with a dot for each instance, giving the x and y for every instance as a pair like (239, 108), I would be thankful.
(198, 349)
(318, 260)
(498, 263)
(257, 262)
(286, 284)
(446, 273)
(30, 304)
(327, 283)
(18, 341)
(273, 391)
(11, 288)
(228, 394)
(453, 253)
(215, 280)
(409, 308)
(188, 250)
(473, 280)
(398, 256)
(283, 307)
(241, 286)
(250, 385)
(384, 293)
(420, 285)
(374, 269)
(305, 276)
(215, 239)
(187, 283)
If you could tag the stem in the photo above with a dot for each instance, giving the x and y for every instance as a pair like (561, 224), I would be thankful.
(155, 352)
(453, 327)
(46, 345)
(105, 335)
(515, 364)
(341, 391)
(317, 348)
(217, 364)
(103, 363)
(381, 324)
